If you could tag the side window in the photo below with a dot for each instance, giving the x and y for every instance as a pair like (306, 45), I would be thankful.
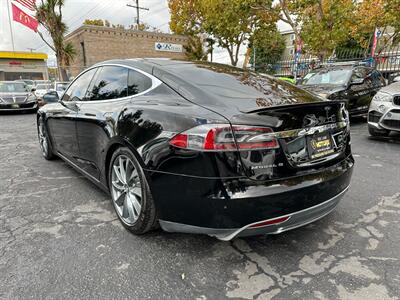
(110, 83)
(77, 90)
(358, 73)
(138, 83)
(377, 79)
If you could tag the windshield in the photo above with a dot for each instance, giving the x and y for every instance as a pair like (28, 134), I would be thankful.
(60, 87)
(326, 76)
(15, 87)
(43, 86)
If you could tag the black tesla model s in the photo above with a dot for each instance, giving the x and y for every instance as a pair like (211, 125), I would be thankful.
(201, 147)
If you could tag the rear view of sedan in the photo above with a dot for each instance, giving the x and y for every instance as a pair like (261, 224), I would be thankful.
(384, 111)
(16, 96)
(201, 148)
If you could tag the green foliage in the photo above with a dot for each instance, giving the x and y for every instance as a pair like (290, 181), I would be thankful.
(194, 49)
(372, 14)
(230, 22)
(269, 46)
(325, 24)
(97, 22)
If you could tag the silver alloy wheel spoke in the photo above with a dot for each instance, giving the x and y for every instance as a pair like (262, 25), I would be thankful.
(118, 174)
(42, 138)
(120, 199)
(119, 187)
(126, 190)
(134, 176)
(122, 170)
(130, 209)
(137, 191)
(136, 204)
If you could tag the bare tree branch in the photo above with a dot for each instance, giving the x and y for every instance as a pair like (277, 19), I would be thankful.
(47, 43)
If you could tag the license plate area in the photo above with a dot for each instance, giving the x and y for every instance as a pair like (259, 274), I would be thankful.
(320, 145)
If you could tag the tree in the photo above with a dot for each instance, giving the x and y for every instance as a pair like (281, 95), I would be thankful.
(377, 14)
(268, 46)
(321, 25)
(49, 15)
(325, 24)
(194, 49)
(230, 22)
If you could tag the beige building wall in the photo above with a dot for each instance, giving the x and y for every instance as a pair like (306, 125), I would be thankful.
(289, 39)
(94, 44)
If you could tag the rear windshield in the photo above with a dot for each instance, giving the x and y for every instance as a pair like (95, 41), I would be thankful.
(326, 76)
(15, 87)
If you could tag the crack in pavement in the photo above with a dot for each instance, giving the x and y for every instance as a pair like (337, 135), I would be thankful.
(321, 261)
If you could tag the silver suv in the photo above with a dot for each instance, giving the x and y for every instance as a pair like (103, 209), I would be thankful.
(384, 111)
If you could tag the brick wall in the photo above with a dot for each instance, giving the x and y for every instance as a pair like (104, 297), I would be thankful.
(103, 43)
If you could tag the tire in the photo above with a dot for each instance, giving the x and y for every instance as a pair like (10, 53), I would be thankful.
(130, 193)
(44, 141)
(376, 133)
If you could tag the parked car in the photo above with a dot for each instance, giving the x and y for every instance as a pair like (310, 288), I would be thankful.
(353, 83)
(384, 111)
(16, 96)
(60, 87)
(41, 89)
(201, 147)
(30, 83)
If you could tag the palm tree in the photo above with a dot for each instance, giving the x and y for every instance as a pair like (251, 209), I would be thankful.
(49, 15)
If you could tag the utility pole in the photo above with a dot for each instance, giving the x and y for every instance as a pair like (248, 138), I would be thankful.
(137, 11)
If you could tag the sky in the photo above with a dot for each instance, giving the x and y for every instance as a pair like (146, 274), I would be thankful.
(76, 11)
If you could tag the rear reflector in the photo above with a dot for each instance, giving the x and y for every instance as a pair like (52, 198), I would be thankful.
(270, 222)
(223, 137)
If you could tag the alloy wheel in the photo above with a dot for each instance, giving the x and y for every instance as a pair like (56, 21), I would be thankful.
(126, 189)
(43, 138)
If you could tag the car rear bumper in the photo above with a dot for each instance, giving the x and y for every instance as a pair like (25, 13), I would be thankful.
(229, 207)
(284, 223)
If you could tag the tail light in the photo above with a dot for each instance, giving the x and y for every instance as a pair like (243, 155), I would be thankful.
(223, 137)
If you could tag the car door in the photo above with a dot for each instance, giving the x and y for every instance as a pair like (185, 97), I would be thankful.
(359, 91)
(62, 117)
(105, 98)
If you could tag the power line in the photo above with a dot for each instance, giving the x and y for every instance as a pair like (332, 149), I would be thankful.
(138, 8)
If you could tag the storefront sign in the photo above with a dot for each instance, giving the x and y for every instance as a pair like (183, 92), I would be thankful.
(167, 47)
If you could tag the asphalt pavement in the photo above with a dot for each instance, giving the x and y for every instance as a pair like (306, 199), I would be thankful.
(60, 238)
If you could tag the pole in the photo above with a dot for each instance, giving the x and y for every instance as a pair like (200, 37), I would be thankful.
(138, 8)
(137, 13)
(11, 28)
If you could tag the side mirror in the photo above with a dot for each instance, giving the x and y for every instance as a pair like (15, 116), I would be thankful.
(357, 81)
(51, 97)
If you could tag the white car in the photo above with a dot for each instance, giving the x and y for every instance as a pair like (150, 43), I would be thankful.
(42, 88)
(384, 111)
(60, 87)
